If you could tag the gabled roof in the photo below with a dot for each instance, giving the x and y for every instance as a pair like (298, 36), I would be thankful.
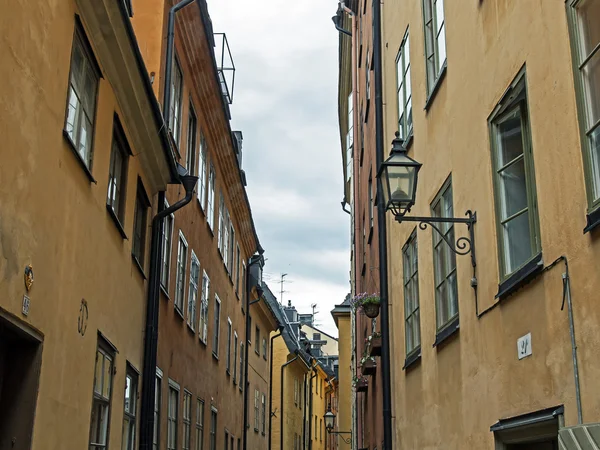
(287, 332)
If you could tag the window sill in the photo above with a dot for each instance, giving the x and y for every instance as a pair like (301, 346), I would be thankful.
(210, 229)
(409, 140)
(215, 356)
(200, 205)
(257, 354)
(227, 372)
(370, 235)
(412, 359)
(203, 342)
(117, 222)
(191, 329)
(451, 329)
(79, 159)
(179, 312)
(436, 87)
(364, 269)
(165, 292)
(521, 277)
(256, 430)
(367, 110)
(138, 265)
(174, 143)
(593, 220)
(265, 357)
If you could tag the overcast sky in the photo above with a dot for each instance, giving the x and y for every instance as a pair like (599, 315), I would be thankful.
(285, 103)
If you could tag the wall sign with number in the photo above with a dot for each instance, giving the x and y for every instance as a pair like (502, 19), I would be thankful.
(524, 346)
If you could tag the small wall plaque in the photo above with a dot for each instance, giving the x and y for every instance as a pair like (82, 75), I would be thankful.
(524, 346)
(26, 305)
(28, 277)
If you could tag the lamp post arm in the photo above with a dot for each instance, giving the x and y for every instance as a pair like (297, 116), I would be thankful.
(339, 433)
(463, 245)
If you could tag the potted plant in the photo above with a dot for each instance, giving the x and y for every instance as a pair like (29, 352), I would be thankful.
(360, 383)
(368, 365)
(375, 344)
(369, 303)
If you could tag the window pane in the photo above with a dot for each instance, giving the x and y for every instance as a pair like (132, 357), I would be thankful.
(441, 48)
(589, 25)
(99, 372)
(513, 189)
(591, 85)
(106, 380)
(439, 14)
(510, 139)
(595, 154)
(85, 140)
(517, 242)
(73, 110)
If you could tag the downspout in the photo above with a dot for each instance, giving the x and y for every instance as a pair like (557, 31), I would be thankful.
(567, 289)
(282, 402)
(304, 415)
(169, 56)
(275, 336)
(381, 222)
(152, 310)
(310, 410)
(253, 260)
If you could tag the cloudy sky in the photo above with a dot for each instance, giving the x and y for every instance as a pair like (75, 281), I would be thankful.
(285, 103)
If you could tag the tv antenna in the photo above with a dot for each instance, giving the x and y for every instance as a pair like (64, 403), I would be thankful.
(281, 291)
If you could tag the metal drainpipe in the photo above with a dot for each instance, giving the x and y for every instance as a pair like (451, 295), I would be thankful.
(304, 415)
(381, 223)
(169, 56)
(282, 402)
(275, 336)
(152, 310)
(310, 414)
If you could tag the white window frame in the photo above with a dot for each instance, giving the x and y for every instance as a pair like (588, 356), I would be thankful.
(167, 249)
(203, 319)
(217, 327)
(256, 410)
(187, 419)
(263, 401)
(210, 206)
(202, 177)
(214, 418)
(176, 100)
(235, 356)
(180, 277)
(229, 331)
(172, 416)
(435, 42)
(157, 404)
(242, 356)
(412, 321)
(190, 157)
(193, 291)
(130, 409)
(102, 397)
(404, 89)
(199, 423)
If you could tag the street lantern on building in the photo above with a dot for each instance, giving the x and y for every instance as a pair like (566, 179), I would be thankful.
(398, 176)
(329, 418)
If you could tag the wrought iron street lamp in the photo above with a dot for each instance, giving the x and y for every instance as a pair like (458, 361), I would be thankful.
(329, 418)
(398, 176)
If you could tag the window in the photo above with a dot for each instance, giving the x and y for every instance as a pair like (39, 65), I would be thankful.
(404, 89)
(210, 212)
(242, 366)
(585, 33)
(157, 402)
(371, 203)
(411, 294)
(226, 440)
(117, 174)
(514, 182)
(300, 396)
(199, 424)
(128, 8)
(244, 284)
(202, 172)
(315, 428)
(237, 271)
(191, 141)
(221, 226)
(350, 140)
(176, 92)
(217, 325)
(193, 292)
(235, 356)
(226, 239)
(181, 269)
(203, 325)
(228, 364)
(83, 89)
(129, 411)
(231, 251)
(264, 348)
(446, 292)
(263, 403)
(99, 424)
(140, 225)
(257, 341)
(167, 238)
(321, 430)
(187, 419)
(256, 409)
(172, 415)
(368, 81)
(213, 429)
(296, 391)
(435, 41)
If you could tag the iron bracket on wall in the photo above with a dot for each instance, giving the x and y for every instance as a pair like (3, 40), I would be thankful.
(339, 433)
(463, 245)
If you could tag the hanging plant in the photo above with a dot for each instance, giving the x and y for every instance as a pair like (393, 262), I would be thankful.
(369, 303)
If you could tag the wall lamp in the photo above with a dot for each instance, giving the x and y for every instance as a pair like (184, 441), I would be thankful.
(329, 418)
(398, 175)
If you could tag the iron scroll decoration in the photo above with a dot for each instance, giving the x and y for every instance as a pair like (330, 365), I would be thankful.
(463, 245)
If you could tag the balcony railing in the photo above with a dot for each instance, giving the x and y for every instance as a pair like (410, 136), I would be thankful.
(225, 66)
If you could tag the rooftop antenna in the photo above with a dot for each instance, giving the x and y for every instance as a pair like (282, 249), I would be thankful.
(281, 291)
(314, 312)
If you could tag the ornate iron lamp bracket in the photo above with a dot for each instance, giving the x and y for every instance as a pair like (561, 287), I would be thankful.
(463, 245)
(340, 433)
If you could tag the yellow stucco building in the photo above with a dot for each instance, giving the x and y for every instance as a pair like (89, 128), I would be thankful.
(83, 156)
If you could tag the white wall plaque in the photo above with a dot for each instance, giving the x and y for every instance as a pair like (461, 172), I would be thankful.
(25, 305)
(524, 346)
